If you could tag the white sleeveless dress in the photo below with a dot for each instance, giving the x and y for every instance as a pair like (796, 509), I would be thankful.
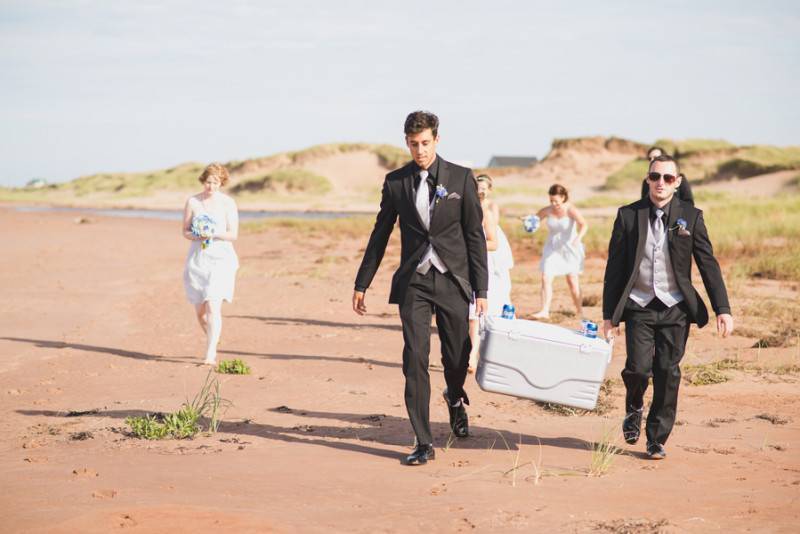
(499, 263)
(558, 256)
(210, 273)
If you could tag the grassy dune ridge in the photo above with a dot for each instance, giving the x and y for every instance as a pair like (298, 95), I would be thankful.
(757, 239)
(705, 161)
(277, 174)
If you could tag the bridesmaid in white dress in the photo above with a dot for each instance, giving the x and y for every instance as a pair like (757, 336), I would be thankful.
(563, 252)
(210, 271)
(500, 261)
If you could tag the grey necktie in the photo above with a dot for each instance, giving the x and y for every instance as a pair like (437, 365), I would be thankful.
(658, 227)
(421, 201)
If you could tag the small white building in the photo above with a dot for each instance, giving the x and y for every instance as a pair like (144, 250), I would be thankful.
(36, 183)
(512, 161)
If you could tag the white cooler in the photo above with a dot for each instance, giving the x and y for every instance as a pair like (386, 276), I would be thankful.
(541, 361)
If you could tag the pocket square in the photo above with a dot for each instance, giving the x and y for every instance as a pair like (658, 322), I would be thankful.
(453, 195)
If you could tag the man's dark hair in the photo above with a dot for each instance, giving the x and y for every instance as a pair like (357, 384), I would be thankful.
(652, 148)
(419, 121)
(665, 157)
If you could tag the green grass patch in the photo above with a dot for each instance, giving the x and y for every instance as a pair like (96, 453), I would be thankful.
(604, 451)
(509, 190)
(357, 226)
(186, 422)
(181, 177)
(755, 160)
(604, 201)
(233, 367)
(711, 373)
(763, 236)
(628, 177)
(289, 180)
(390, 156)
(684, 147)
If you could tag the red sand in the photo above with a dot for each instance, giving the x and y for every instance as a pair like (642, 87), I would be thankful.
(94, 317)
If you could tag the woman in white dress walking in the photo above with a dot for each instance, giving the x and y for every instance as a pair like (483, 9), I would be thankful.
(563, 252)
(210, 271)
(500, 261)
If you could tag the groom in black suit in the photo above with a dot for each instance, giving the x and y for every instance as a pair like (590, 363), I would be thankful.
(648, 284)
(442, 265)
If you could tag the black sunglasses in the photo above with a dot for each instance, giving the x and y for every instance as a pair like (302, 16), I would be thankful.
(668, 178)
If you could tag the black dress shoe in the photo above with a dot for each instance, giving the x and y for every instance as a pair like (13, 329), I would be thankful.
(421, 455)
(632, 426)
(459, 422)
(655, 451)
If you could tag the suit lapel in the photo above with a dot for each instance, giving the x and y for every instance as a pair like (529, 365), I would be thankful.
(675, 213)
(444, 176)
(643, 222)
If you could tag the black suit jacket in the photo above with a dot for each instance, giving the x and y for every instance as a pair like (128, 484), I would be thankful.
(455, 233)
(626, 249)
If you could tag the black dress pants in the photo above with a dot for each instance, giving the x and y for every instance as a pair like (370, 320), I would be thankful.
(655, 339)
(427, 294)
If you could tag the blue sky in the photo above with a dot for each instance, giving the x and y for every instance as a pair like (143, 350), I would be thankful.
(94, 86)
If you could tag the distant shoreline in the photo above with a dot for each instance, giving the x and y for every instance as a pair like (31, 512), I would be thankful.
(172, 214)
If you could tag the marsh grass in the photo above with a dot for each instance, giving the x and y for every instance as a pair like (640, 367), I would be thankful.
(185, 423)
(180, 177)
(628, 177)
(758, 159)
(287, 180)
(233, 367)
(705, 374)
(605, 403)
(603, 452)
(686, 147)
(605, 201)
(356, 226)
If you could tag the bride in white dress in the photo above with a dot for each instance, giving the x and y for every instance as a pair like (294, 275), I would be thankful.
(211, 264)
(500, 262)
(563, 252)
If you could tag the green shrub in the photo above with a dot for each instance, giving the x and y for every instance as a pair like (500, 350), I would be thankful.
(233, 367)
(147, 427)
(185, 423)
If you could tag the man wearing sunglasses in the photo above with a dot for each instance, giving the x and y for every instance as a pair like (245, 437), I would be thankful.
(648, 284)
(683, 191)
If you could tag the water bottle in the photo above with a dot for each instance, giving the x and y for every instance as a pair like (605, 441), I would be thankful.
(591, 329)
(508, 311)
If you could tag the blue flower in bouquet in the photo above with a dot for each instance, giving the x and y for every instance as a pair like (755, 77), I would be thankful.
(203, 226)
(441, 191)
(531, 223)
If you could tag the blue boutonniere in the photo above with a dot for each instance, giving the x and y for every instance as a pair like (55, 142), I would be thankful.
(680, 226)
(441, 191)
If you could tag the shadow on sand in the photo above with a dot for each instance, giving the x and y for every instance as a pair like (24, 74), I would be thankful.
(43, 343)
(359, 433)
